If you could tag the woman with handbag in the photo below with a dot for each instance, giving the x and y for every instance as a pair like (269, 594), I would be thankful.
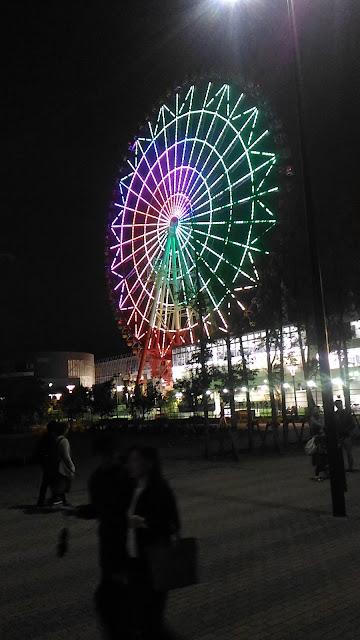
(152, 519)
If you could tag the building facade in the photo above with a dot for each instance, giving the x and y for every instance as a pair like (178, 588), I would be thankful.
(57, 368)
(295, 385)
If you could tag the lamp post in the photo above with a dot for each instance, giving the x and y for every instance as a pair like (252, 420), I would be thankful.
(292, 370)
(335, 456)
(119, 388)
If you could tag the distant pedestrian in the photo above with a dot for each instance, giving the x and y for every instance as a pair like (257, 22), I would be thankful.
(45, 454)
(346, 424)
(319, 457)
(316, 422)
(65, 466)
(152, 518)
(222, 416)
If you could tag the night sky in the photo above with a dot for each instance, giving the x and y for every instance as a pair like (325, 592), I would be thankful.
(79, 79)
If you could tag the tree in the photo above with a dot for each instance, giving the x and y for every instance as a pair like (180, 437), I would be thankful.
(166, 402)
(103, 398)
(143, 401)
(74, 404)
(191, 388)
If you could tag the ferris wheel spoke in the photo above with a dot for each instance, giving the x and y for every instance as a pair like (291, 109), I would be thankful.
(219, 161)
(151, 172)
(140, 275)
(209, 130)
(147, 308)
(166, 151)
(140, 197)
(145, 185)
(220, 256)
(201, 114)
(130, 256)
(154, 144)
(227, 123)
(236, 162)
(124, 243)
(229, 241)
(191, 92)
(247, 176)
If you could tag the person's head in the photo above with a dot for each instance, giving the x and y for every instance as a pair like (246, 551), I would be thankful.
(62, 428)
(338, 404)
(51, 427)
(316, 412)
(144, 462)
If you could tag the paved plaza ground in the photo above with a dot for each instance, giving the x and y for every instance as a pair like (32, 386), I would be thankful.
(275, 564)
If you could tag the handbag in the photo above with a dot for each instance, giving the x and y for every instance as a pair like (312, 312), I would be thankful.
(173, 565)
(310, 447)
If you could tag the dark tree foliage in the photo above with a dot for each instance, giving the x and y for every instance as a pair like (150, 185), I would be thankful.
(75, 404)
(143, 401)
(103, 398)
(23, 401)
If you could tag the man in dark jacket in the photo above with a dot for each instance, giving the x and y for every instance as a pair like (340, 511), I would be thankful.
(110, 491)
(346, 423)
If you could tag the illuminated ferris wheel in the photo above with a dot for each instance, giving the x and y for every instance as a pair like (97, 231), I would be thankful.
(190, 213)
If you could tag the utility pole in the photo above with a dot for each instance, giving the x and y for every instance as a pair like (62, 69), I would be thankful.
(335, 456)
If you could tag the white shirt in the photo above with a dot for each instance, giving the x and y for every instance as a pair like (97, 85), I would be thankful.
(66, 465)
(131, 545)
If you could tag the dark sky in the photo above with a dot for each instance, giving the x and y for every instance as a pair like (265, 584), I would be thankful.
(79, 79)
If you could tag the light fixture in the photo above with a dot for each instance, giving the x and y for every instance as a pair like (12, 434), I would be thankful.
(337, 381)
(292, 368)
(70, 387)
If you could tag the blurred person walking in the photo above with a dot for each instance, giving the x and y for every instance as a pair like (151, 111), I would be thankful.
(152, 518)
(346, 424)
(65, 470)
(319, 457)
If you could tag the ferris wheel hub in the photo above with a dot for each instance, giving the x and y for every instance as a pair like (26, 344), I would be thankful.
(174, 222)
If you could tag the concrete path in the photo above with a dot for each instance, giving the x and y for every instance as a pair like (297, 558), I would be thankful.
(275, 564)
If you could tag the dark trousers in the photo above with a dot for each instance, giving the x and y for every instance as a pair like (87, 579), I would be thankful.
(61, 486)
(146, 605)
(112, 607)
(46, 482)
(133, 610)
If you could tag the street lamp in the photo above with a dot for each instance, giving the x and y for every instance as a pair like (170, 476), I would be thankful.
(335, 456)
(70, 387)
